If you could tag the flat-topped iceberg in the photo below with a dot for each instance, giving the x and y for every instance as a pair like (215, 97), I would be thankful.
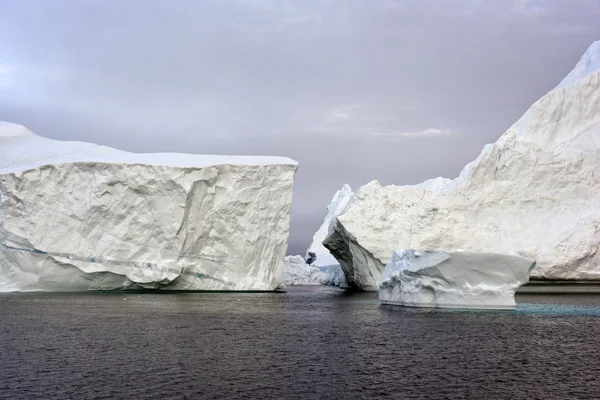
(453, 280)
(79, 216)
(535, 193)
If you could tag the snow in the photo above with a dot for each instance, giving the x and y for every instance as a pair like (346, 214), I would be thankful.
(535, 193)
(335, 207)
(453, 280)
(78, 216)
(23, 150)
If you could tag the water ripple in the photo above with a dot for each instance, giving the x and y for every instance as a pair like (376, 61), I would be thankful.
(300, 345)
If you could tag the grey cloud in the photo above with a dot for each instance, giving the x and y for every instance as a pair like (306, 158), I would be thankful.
(399, 91)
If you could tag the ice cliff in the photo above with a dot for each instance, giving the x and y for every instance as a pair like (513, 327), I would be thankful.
(535, 193)
(79, 216)
(453, 280)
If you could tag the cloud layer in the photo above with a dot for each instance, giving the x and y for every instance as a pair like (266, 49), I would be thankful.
(398, 91)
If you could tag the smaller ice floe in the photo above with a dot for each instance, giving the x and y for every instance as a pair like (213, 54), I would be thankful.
(453, 280)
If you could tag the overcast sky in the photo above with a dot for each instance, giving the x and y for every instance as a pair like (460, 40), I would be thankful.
(355, 90)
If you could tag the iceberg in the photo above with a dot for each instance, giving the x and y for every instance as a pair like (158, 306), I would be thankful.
(297, 272)
(534, 193)
(334, 276)
(316, 252)
(453, 280)
(80, 216)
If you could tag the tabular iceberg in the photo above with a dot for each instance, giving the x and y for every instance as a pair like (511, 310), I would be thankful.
(79, 216)
(453, 280)
(535, 193)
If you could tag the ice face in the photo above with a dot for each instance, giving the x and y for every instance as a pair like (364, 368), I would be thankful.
(78, 216)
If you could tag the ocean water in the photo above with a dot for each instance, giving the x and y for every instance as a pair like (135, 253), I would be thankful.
(309, 343)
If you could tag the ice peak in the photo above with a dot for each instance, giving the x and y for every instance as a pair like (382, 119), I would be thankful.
(336, 207)
(9, 130)
(587, 65)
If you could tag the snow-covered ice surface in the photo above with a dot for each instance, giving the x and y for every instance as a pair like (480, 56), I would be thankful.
(535, 193)
(453, 280)
(23, 150)
(79, 216)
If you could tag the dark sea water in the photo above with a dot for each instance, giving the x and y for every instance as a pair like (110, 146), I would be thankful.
(317, 343)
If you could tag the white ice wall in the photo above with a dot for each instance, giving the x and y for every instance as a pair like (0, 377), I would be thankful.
(77, 216)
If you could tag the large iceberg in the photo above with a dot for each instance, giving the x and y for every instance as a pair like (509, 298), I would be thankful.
(79, 216)
(535, 193)
(453, 280)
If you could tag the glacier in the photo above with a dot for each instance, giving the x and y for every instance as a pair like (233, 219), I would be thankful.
(460, 279)
(534, 193)
(80, 216)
